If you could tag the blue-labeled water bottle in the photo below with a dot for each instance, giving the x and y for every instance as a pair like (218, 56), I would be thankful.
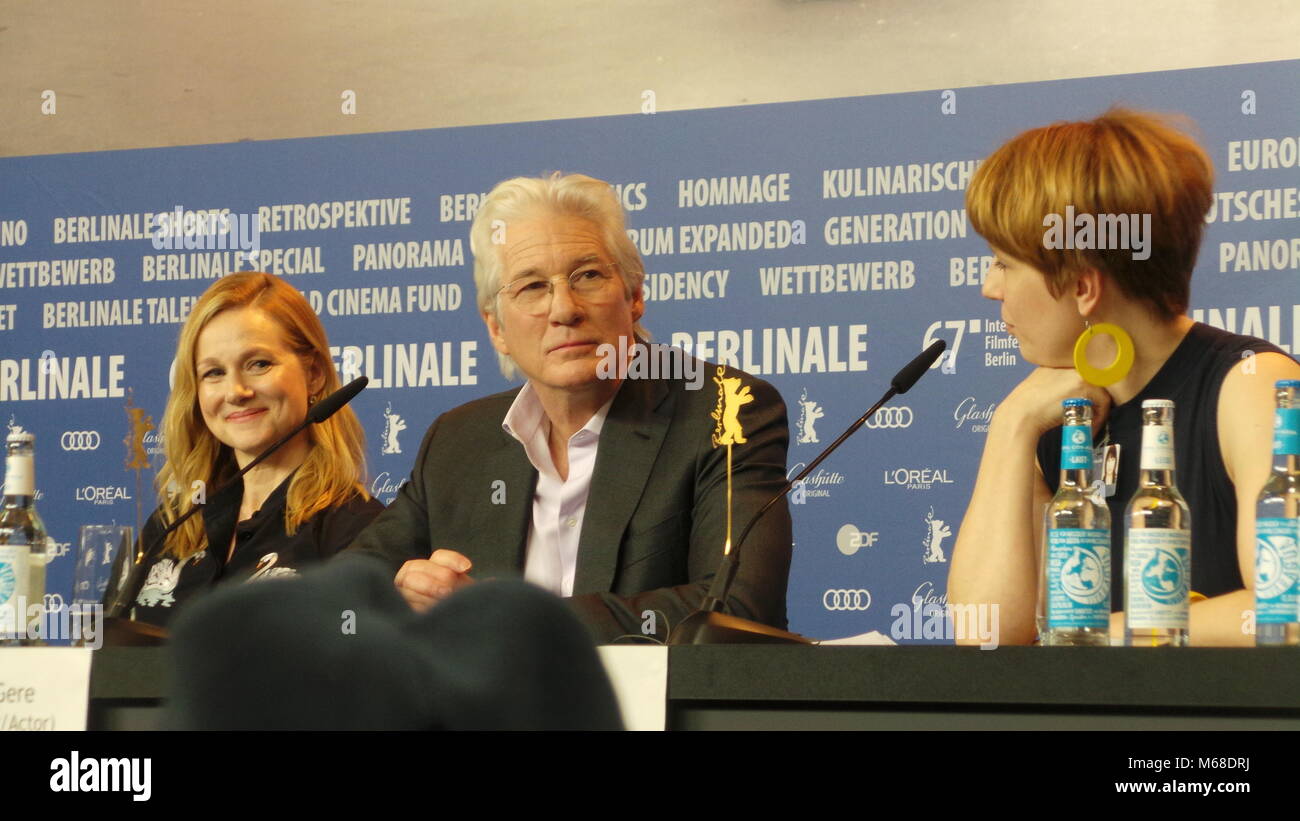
(1277, 530)
(1077, 561)
(1157, 541)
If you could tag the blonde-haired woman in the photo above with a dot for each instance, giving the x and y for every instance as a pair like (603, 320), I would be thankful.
(252, 357)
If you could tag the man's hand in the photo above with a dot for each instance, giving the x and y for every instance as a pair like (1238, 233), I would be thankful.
(425, 582)
(1037, 399)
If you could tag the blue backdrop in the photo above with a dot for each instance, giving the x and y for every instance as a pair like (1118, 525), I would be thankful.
(820, 244)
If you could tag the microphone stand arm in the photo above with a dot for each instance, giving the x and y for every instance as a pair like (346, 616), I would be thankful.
(715, 601)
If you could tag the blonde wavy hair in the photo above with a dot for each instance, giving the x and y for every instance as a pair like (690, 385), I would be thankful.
(334, 469)
(1123, 162)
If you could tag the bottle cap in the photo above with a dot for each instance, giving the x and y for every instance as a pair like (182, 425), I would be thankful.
(1157, 403)
(1287, 383)
(1076, 403)
(21, 437)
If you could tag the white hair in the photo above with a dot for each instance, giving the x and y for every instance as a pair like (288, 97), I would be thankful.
(571, 195)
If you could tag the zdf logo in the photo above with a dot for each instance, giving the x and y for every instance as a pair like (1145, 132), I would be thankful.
(79, 440)
(849, 539)
(896, 417)
(846, 599)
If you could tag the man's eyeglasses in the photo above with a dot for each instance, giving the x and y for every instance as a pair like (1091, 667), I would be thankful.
(591, 282)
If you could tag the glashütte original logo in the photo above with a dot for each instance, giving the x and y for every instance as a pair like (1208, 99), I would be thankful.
(383, 488)
(818, 483)
(975, 418)
(917, 478)
(153, 443)
(924, 594)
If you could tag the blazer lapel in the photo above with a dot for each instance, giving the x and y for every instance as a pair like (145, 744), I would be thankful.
(501, 525)
(630, 440)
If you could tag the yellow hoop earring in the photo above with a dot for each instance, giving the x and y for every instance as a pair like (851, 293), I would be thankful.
(1116, 370)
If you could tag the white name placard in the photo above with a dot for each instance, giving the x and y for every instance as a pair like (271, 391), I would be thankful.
(44, 688)
(640, 679)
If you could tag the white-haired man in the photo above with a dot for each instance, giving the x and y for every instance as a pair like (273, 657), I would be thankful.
(605, 490)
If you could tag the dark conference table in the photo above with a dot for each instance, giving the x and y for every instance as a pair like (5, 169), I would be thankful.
(896, 688)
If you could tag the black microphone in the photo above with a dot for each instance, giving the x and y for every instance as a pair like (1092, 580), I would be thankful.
(708, 625)
(328, 406)
(909, 373)
(322, 410)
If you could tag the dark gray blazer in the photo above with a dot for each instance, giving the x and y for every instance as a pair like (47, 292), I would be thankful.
(655, 521)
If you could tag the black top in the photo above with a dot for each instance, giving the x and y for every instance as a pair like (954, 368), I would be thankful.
(1191, 378)
(262, 548)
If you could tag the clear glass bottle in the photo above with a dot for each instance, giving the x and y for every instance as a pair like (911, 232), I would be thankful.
(1157, 541)
(23, 542)
(1277, 529)
(1076, 563)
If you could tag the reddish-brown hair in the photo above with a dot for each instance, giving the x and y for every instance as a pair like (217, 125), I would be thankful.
(1123, 162)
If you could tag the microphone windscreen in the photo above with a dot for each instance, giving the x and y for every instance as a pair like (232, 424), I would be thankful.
(327, 407)
(906, 378)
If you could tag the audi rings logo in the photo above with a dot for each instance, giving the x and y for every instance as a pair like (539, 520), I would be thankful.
(53, 602)
(846, 599)
(80, 440)
(895, 417)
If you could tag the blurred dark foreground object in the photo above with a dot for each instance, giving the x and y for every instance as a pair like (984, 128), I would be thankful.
(338, 649)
